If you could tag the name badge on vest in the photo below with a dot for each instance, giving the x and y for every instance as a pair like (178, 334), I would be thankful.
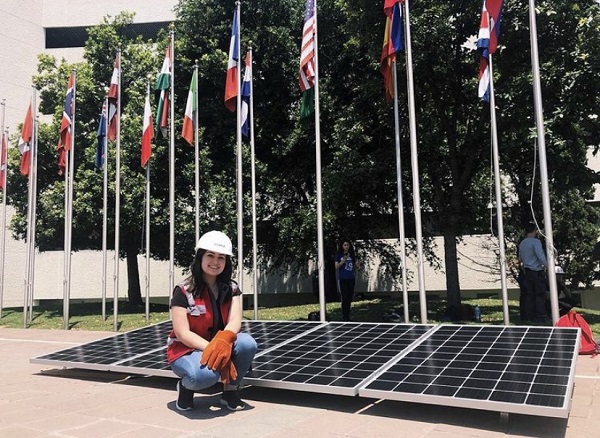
(197, 310)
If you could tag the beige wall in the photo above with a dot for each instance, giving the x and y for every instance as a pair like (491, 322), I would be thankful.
(59, 13)
(21, 39)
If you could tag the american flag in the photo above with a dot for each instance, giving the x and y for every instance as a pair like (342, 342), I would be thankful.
(307, 54)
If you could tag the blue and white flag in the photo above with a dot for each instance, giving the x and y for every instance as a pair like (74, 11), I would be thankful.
(100, 158)
(246, 87)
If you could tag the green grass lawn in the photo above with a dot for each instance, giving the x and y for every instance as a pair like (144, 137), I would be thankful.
(88, 316)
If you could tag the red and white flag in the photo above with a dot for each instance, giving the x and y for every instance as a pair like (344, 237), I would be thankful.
(113, 100)
(147, 131)
(25, 142)
(188, 131)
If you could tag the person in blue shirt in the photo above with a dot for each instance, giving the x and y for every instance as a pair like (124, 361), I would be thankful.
(345, 266)
(533, 261)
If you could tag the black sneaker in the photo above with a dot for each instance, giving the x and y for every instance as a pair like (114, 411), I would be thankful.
(232, 401)
(185, 398)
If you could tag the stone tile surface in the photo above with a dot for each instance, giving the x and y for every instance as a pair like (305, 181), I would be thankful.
(38, 401)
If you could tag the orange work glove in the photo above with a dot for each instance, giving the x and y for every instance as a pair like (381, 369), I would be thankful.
(228, 372)
(218, 351)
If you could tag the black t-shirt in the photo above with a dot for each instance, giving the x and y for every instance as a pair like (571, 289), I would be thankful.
(179, 299)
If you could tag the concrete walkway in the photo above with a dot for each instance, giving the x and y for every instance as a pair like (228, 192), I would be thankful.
(39, 401)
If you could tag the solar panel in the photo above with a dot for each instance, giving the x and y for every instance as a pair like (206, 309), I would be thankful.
(143, 351)
(526, 370)
(334, 358)
(106, 354)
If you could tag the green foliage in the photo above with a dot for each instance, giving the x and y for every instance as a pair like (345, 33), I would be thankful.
(567, 36)
(87, 316)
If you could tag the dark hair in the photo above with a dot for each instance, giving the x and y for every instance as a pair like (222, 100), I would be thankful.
(195, 281)
(351, 250)
(530, 227)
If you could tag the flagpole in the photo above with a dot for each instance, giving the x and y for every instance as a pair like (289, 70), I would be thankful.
(117, 195)
(498, 190)
(4, 176)
(541, 139)
(415, 169)
(66, 171)
(401, 231)
(320, 250)
(33, 215)
(29, 206)
(147, 219)
(104, 208)
(69, 181)
(71, 184)
(253, 172)
(196, 156)
(172, 168)
(240, 197)
(30, 213)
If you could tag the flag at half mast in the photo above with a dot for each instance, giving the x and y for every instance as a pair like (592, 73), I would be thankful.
(163, 83)
(307, 61)
(487, 42)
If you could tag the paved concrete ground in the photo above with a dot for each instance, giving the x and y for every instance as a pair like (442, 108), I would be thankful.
(40, 401)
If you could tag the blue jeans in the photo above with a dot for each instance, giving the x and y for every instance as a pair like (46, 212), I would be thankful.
(196, 377)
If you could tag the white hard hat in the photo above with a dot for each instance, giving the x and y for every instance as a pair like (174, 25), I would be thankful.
(558, 270)
(215, 241)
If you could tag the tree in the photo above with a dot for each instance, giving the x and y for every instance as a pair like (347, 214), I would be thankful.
(568, 37)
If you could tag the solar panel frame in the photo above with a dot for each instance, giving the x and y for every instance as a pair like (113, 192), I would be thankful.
(469, 377)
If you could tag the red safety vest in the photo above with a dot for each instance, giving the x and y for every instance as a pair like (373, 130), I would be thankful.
(201, 319)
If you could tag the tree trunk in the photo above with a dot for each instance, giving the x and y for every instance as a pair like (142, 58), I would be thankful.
(134, 293)
(452, 281)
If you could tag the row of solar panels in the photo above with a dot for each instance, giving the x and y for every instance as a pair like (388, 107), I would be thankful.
(512, 369)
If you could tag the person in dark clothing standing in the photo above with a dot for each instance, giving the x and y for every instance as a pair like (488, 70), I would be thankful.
(345, 265)
(533, 260)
